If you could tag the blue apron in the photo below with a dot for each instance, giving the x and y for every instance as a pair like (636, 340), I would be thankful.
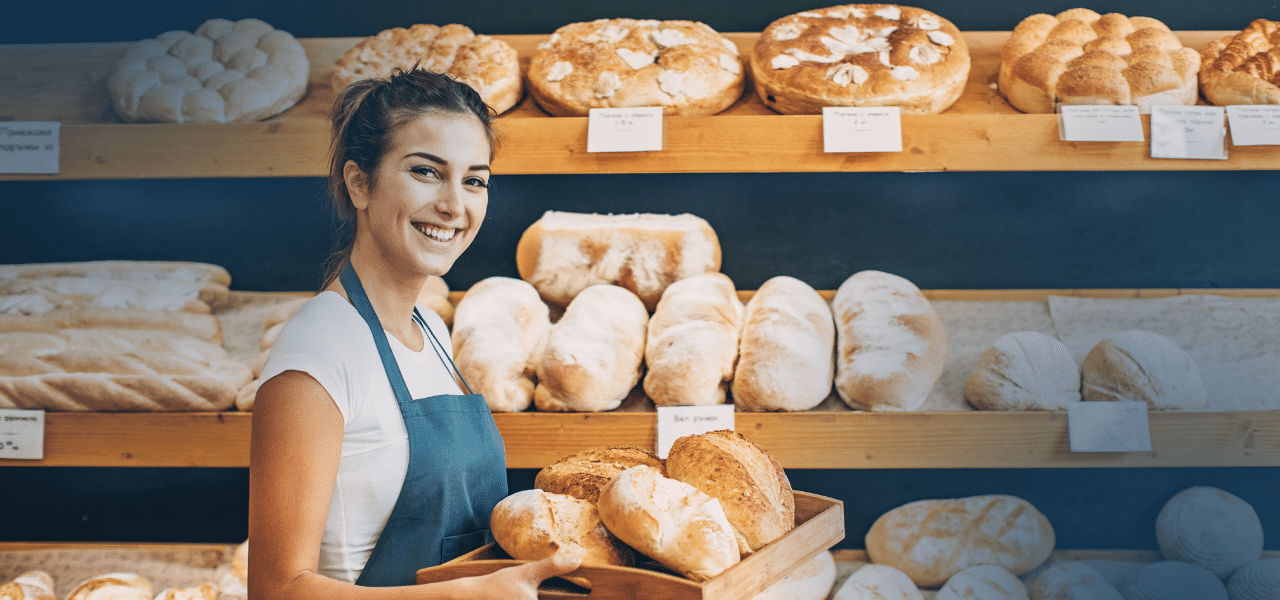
(457, 467)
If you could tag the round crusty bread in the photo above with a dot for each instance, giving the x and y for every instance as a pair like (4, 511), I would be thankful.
(810, 581)
(1081, 57)
(878, 582)
(684, 67)
(983, 582)
(499, 330)
(32, 585)
(751, 486)
(112, 586)
(1142, 366)
(1072, 581)
(533, 525)
(223, 73)
(489, 65)
(1243, 68)
(669, 521)
(692, 343)
(1172, 580)
(1209, 527)
(205, 591)
(860, 55)
(593, 354)
(1258, 580)
(785, 359)
(583, 474)
(1024, 370)
(890, 344)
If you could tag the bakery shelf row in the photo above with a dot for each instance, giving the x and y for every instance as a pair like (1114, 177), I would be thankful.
(981, 132)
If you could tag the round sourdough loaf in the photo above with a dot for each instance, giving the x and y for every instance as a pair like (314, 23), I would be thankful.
(878, 582)
(983, 582)
(1139, 365)
(1172, 580)
(785, 358)
(32, 585)
(1258, 580)
(1072, 581)
(692, 343)
(1243, 68)
(810, 581)
(1024, 370)
(583, 474)
(751, 486)
(1209, 527)
(499, 330)
(860, 55)
(593, 355)
(112, 586)
(533, 525)
(205, 591)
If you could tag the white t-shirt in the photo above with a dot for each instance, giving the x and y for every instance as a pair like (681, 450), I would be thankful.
(328, 340)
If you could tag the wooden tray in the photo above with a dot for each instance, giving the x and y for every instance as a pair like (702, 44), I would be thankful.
(819, 526)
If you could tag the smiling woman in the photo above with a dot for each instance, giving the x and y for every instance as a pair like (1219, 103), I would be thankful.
(368, 460)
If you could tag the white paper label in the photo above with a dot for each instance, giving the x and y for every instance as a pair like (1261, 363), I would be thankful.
(1108, 427)
(22, 434)
(1254, 125)
(624, 129)
(849, 129)
(675, 422)
(1188, 132)
(1099, 123)
(29, 147)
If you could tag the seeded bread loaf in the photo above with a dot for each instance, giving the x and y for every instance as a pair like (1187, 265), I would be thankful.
(583, 474)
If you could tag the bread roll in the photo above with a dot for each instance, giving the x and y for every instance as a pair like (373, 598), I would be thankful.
(983, 582)
(204, 591)
(533, 525)
(751, 486)
(1072, 581)
(583, 474)
(435, 296)
(500, 328)
(693, 342)
(1172, 580)
(1143, 366)
(112, 586)
(931, 540)
(32, 585)
(1258, 580)
(669, 521)
(786, 358)
(890, 343)
(1024, 370)
(564, 253)
(810, 581)
(878, 582)
(592, 357)
(1209, 527)
(1243, 68)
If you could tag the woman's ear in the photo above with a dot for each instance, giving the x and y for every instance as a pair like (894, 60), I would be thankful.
(356, 180)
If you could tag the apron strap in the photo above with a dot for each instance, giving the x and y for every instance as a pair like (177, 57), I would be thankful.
(440, 351)
(355, 291)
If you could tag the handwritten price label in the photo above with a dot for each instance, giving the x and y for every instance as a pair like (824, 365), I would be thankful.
(850, 129)
(22, 434)
(675, 422)
(29, 147)
(1088, 123)
(1188, 132)
(1254, 125)
(624, 129)
(1109, 427)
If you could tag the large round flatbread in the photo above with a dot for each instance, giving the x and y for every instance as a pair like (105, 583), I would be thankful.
(683, 66)
(860, 55)
(223, 73)
(1243, 68)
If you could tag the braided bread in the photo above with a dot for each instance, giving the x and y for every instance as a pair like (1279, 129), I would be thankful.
(1243, 68)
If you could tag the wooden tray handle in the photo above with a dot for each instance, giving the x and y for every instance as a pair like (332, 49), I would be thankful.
(620, 583)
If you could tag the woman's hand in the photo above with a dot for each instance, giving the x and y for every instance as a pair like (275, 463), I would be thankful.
(521, 583)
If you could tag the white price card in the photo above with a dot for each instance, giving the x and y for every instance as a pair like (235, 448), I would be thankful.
(854, 129)
(29, 147)
(22, 434)
(675, 422)
(624, 129)
(1099, 123)
(1254, 125)
(1108, 427)
(1188, 132)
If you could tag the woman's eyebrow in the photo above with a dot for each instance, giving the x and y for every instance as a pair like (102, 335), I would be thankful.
(430, 157)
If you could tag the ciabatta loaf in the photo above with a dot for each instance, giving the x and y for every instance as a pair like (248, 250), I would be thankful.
(112, 586)
(878, 582)
(593, 355)
(583, 474)
(786, 356)
(563, 253)
(1209, 527)
(1072, 581)
(693, 342)
(1243, 68)
(499, 331)
(1172, 580)
(533, 525)
(983, 582)
(32, 585)
(1143, 366)
(1024, 370)
(810, 581)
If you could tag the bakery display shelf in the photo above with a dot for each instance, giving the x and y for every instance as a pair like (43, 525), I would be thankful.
(67, 83)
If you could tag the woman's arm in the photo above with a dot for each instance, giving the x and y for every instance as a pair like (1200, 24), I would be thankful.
(293, 463)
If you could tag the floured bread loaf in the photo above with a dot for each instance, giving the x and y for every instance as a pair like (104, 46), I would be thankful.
(489, 65)
(1258, 580)
(112, 586)
(810, 581)
(30, 296)
(234, 582)
(878, 582)
(583, 474)
(1243, 68)
(205, 327)
(1081, 57)
(204, 591)
(1024, 370)
(669, 521)
(533, 525)
(683, 66)
(224, 73)
(110, 341)
(500, 328)
(129, 270)
(860, 55)
(931, 540)
(692, 342)
(563, 253)
(593, 354)
(1143, 366)
(785, 359)
(32, 585)
(751, 486)
(983, 582)
(1211, 528)
(890, 343)
(1172, 580)
(1072, 581)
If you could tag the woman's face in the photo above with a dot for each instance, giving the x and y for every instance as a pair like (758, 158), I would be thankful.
(430, 194)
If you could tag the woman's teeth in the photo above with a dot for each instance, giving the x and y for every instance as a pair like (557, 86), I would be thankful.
(435, 233)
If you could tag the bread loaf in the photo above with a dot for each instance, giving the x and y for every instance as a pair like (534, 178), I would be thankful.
(1072, 581)
(110, 341)
(669, 521)
(435, 296)
(583, 474)
(247, 395)
(204, 591)
(785, 359)
(1243, 68)
(983, 582)
(1209, 527)
(593, 355)
(1172, 580)
(132, 270)
(1024, 370)
(692, 342)
(205, 327)
(1258, 580)
(32, 585)
(931, 540)
(890, 343)
(752, 488)
(101, 392)
(533, 525)
(878, 582)
(500, 330)
(85, 292)
(810, 581)
(112, 586)
(564, 253)
(233, 584)
(282, 312)
(1143, 366)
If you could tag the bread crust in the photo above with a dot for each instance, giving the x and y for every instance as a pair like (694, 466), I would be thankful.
(498, 337)
(204, 327)
(1243, 68)
(786, 358)
(32, 585)
(1024, 370)
(583, 474)
(112, 586)
(1137, 365)
(535, 524)
(692, 343)
(594, 353)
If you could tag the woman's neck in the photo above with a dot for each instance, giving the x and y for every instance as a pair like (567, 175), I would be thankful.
(391, 294)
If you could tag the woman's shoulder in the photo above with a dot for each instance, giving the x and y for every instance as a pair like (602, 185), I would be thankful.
(325, 321)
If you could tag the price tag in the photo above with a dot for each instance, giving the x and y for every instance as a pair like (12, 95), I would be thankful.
(624, 129)
(675, 422)
(852, 129)
(1188, 132)
(22, 434)
(29, 147)
(1100, 123)
(1108, 427)
(1254, 125)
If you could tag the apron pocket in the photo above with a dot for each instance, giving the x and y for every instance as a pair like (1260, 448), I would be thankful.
(454, 546)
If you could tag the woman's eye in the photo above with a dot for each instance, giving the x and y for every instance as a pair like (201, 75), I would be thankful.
(425, 171)
(477, 182)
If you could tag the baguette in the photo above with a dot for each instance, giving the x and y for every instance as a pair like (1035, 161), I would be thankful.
(693, 342)
(786, 358)
(500, 328)
(205, 327)
(593, 354)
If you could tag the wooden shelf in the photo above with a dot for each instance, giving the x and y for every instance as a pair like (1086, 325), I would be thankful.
(67, 83)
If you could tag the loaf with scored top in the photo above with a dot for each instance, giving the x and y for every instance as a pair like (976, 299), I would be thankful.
(583, 474)
(692, 342)
(593, 355)
(785, 357)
